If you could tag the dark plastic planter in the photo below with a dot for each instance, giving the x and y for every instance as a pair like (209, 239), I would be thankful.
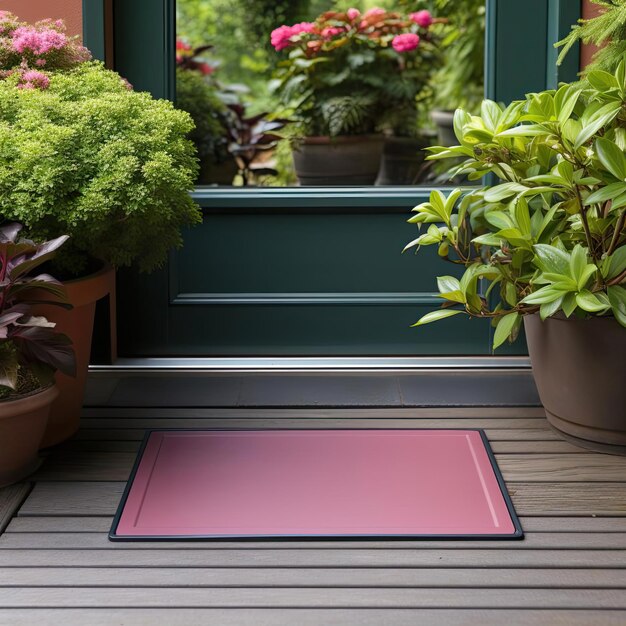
(329, 161)
(578, 367)
(402, 161)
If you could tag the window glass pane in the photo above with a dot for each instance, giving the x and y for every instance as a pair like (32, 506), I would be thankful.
(326, 92)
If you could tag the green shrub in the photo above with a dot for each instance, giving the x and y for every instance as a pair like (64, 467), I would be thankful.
(93, 159)
(198, 98)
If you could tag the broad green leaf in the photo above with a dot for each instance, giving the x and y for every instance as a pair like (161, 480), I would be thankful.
(488, 240)
(617, 298)
(577, 262)
(548, 309)
(565, 107)
(454, 296)
(587, 301)
(501, 192)
(569, 304)
(524, 130)
(490, 113)
(545, 294)
(499, 219)
(522, 217)
(504, 328)
(600, 118)
(447, 283)
(612, 158)
(617, 263)
(551, 259)
(435, 316)
(606, 193)
(602, 81)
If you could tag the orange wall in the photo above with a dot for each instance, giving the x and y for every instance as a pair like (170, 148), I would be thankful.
(32, 10)
(587, 51)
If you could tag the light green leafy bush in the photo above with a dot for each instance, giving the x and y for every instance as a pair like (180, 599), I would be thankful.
(90, 158)
(550, 237)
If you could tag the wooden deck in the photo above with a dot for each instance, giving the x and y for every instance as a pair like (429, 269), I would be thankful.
(57, 566)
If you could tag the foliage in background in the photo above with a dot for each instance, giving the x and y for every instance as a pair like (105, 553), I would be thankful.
(30, 350)
(349, 73)
(91, 158)
(551, 238)
(607, 30)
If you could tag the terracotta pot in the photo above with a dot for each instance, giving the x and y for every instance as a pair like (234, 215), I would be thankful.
(578, 367)
(22, 425)
(402, 160)
(83, 293)
(348, 160)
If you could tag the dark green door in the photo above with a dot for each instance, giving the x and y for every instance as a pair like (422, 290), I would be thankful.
(302, 272)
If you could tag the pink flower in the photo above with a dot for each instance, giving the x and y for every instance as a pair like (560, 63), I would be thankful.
(29, 39)
(280, 37)
(353, 14)
(302, 27)
(40, 62)
(327, 33)
(422, 18)
(406, 42)
(374, 12)
(32, 79)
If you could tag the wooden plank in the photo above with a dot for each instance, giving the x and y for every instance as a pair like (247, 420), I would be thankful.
(100, 541)
(530, 499)
(317, 577)
(337, 557)
(494, 434)
(311, 617)
(11, 498)
(552, 468)
(306, 597)
(100, 466)
(529, 524)
(555, 446)
(319, 413)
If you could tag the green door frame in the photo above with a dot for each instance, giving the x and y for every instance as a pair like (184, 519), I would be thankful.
(519, 58)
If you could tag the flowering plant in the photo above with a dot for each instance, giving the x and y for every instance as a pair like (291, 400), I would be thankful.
(349, 73)
(32, 51)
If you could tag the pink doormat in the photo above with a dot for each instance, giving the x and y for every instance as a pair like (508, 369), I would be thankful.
(315, 484)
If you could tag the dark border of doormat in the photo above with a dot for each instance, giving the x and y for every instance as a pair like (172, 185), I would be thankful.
(113, 536)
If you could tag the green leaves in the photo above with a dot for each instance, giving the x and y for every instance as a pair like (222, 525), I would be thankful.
(612, 158)
(504, 329)
(435, 316)
(592, 123)
(617, 299)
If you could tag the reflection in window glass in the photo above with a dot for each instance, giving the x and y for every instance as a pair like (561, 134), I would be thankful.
(326, 92)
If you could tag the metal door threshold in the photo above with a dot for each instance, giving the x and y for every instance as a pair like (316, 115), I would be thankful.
(311, 364)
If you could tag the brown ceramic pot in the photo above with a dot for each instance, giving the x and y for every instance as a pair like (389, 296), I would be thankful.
(346, 160)
(83, 293)
(22, 425)
(578, 367)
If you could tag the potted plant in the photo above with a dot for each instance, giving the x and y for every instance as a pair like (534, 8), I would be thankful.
(30, 352)
(83, 154)
(546, 245)
(345, 74)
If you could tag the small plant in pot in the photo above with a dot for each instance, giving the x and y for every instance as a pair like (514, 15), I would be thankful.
(347, 77)
(546, 245)
(83, 154)
(30, 351)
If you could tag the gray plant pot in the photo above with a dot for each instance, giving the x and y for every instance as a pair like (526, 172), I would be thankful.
(578, 367)
(444, 120)
(330, 161)
(402, 160)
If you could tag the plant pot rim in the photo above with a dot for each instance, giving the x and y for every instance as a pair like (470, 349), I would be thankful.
(560, 317)
(30, 400)
(328, 140)
(105, 268)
